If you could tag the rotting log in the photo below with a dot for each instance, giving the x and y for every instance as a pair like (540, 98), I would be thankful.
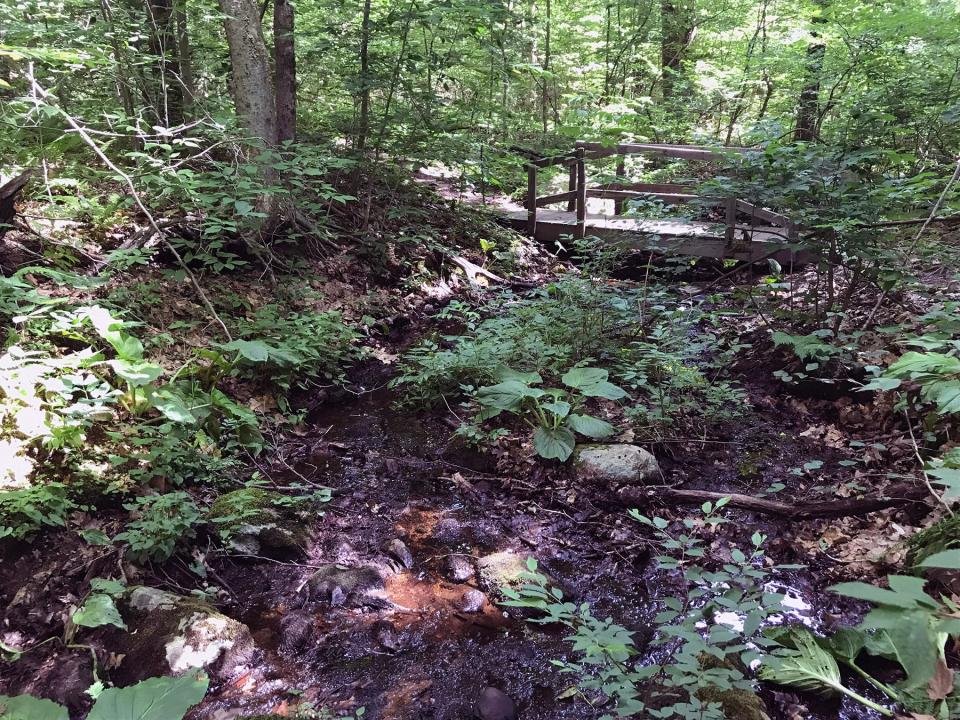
(8, 199)
(900, 494)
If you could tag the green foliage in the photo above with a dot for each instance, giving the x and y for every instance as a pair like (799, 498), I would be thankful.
(99, 608)
(27, 707)
(23, 512)
(806, 665)
(698, 653)
(551, 412)
(936, 377)
(674, 374)
(293, 349)
(907, 626)
(547, 332)
(159, 698)
(161, 523)
(228, 198)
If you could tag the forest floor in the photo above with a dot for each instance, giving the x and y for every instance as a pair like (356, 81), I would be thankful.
(408, 501)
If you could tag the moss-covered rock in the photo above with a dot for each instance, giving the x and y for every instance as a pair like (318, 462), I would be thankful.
(336, 583)
(170, 634)
(738, 703)
(252, 520)
(504, 569)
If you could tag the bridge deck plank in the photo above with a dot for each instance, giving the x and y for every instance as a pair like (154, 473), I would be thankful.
(676, 237)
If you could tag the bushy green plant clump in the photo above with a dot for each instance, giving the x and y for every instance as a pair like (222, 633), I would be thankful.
(160, 524)
(667, 372)
(546, 332)
(224, 199)
(294, 348)
(24, 511)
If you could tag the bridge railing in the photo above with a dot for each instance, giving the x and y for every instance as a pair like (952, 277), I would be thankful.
(577, 191)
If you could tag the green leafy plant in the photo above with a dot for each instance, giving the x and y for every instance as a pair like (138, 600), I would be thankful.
(551, 412)
(161, 523)
(99, 608)
(707, 636)
(160, 698)
(24, 511)
(293, 348)
(935, 377)
(545, 332)
(907, 626)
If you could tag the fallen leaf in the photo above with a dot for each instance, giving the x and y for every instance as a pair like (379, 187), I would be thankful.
(941, 684)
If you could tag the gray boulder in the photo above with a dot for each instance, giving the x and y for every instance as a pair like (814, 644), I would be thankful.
(181, 633)
(615, 464)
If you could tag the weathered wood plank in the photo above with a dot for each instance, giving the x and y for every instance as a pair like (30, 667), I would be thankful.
(667, 197)
(765, 215)
(531, 200)
(670, 237)
(581, 203)
(558, 197)
(647, 187)
(688, 152)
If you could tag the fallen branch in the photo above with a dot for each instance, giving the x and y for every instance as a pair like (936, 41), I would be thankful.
(8, 199)
(897, 495)
(472, 270)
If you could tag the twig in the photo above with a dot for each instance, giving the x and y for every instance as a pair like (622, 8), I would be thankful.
(926, 478)
(896, 495)
(51, 101)
(933, 213)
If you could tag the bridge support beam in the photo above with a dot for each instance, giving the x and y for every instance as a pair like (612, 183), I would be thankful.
(581, 199)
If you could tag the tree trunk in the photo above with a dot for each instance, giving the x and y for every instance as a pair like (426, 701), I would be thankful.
(123, 76)
(185, 57)
(169, 98)
(254, 97)
(284, 59)
(808, 108)
(545, 95)
(364, 125)
(677, 26)
(251, 84)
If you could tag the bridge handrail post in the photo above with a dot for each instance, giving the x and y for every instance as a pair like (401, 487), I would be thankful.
(531, 200)
(731, 221)
(572, 187)
(581, 199)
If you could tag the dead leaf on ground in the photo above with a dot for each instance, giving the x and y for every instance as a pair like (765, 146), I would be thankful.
(941, 684)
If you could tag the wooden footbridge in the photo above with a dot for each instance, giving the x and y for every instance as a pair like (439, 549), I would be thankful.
(747, 232)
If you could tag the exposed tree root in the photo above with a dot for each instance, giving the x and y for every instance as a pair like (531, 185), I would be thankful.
(897, 495)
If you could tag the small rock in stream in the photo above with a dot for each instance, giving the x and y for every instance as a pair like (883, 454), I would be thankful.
(472, 601)
(398, 549)
(335, 582)
(459, 568)
(296, 630)
(495, 705)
